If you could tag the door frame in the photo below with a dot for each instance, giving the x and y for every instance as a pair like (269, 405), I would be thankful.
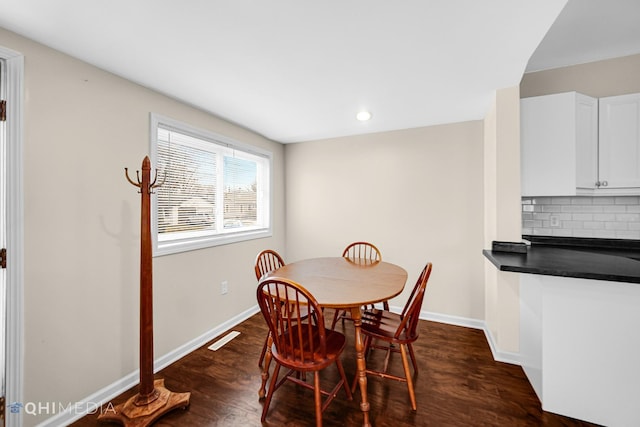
(14, 361)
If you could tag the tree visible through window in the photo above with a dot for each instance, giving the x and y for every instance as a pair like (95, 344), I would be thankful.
(215, 190)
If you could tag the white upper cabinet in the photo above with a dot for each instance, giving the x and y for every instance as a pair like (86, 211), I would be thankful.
(559, 144)
(619, 146)
(572, 144)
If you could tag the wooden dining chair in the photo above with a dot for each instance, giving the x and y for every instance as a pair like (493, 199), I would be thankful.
(360, 252)
(396, 330)
(266, 262)
(298, 345)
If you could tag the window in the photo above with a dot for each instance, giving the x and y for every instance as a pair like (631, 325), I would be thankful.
(214, 190)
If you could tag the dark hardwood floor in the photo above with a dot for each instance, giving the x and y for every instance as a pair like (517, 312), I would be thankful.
(458, 384)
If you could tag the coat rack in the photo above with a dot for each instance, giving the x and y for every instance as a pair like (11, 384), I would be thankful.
(153, 399)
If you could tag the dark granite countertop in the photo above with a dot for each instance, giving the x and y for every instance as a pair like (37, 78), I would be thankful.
(615, 260)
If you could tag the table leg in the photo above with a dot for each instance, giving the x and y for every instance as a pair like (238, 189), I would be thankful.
(356, 315)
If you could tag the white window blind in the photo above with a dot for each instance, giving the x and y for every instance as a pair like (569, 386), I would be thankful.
(215, 190)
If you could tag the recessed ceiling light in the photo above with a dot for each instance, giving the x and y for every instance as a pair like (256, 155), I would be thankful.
(363, 116)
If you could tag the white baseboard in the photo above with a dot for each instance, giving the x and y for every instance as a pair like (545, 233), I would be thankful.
(501, 356)
(101, 398)
(452, 320)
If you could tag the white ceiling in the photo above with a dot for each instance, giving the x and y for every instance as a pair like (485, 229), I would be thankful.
(298, 70)
(590, 30)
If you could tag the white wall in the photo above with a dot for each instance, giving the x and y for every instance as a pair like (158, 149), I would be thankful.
(82, 127)
(417, 194)
(502, 218)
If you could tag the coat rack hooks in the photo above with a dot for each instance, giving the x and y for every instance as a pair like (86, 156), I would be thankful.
(153, 399)
(146, 166)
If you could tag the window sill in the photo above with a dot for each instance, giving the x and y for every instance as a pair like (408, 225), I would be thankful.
(174, 247)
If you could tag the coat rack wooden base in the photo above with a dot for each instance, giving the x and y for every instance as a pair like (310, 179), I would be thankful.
(133, 414)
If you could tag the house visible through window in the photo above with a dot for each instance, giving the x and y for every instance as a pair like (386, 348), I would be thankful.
(215, 190)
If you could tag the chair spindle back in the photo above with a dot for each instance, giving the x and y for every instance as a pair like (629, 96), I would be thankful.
(411, 311)
(362, 250)
(285, 306)
(267, 261)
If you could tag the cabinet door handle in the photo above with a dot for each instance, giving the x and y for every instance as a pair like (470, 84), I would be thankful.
(605, 183)
(597, 183)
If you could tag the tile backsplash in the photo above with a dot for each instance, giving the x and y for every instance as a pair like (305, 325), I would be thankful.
(599, 217)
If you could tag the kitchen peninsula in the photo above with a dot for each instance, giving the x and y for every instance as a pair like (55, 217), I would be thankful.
(579, 319)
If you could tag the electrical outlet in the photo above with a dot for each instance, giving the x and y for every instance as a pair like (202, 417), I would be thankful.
(224, 287)
(554, 221)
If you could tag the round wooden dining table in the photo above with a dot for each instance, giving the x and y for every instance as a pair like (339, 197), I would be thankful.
(343, 283)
